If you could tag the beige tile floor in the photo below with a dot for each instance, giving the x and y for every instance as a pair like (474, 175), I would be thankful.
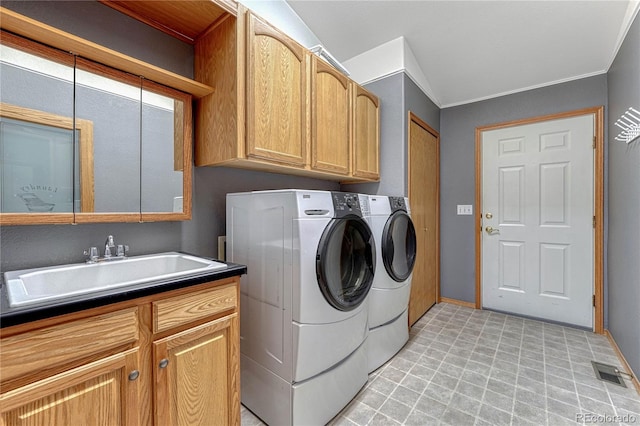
(470, 367)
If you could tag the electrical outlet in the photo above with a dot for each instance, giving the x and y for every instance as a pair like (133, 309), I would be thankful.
(465, 209)
(222, 247)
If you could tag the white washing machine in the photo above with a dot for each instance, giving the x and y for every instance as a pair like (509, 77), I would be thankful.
(310, 260)
(395, 240)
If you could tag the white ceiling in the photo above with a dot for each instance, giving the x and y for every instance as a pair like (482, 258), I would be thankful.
(473, 50)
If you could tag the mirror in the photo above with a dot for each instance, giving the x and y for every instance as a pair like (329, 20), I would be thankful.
(166, 134)
(36, 133)
(111, 101)
(81, 142)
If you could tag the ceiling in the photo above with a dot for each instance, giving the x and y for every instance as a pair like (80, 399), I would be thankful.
(474, 50)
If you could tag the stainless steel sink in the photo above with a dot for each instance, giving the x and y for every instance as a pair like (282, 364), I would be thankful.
(33, 286)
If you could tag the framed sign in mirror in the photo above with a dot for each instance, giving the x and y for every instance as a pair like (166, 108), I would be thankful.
(39, 153)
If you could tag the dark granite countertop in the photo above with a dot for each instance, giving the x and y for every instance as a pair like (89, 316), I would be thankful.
(18, 315)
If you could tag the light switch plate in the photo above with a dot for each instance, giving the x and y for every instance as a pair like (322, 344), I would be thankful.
(465, 209)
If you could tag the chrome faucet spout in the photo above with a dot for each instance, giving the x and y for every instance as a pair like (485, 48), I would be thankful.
(111, 251)
(108, 245)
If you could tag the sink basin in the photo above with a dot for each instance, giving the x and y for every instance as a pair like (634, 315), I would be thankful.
(33, 286)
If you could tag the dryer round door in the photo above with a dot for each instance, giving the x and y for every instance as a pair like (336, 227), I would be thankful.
(399, 246)
(345, 262)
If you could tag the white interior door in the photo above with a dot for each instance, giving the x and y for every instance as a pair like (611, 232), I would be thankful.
(538, 209)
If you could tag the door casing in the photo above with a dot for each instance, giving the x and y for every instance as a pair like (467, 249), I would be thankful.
(598, 114)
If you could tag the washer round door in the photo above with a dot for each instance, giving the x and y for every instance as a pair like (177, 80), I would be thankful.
(399, 246)
(345, 262)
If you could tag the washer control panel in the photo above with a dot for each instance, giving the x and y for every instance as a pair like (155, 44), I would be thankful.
(345, 203)
(397, 203)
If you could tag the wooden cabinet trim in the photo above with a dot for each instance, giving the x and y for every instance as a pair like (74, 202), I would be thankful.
(179, 310)
(64, 343)
(40, 32)
(257, 26)
(321, 66)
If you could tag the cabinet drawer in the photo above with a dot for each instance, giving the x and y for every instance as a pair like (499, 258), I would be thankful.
(179, 310)
(49, 347)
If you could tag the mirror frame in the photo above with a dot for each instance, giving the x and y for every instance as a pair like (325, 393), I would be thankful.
(182, 159)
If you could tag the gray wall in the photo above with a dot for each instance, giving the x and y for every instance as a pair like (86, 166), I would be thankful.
(457, 166)
(624, 203)
(398, 95)
(43, 245)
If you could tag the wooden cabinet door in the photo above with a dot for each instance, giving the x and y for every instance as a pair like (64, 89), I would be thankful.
(330, 119)
(197, 375)
(277, 112)
(98, 393)
(366, 137)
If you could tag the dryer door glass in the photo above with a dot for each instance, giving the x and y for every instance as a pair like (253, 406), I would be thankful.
(345, 262)
(399, 246)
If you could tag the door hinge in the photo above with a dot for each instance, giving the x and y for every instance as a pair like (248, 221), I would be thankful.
(594, 222)
(594, 142)
(594, 300)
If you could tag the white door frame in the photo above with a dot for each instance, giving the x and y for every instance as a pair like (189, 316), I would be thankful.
(598, 115)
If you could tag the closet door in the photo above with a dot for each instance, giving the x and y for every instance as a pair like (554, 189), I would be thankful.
(424, 199)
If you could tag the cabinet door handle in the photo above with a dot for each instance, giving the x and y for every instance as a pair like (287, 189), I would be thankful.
(163, 363)
(134, 375)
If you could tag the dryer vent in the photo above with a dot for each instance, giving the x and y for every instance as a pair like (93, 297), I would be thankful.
(608, 373)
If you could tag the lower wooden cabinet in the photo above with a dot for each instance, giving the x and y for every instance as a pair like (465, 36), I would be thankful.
(166, 359)
(98, 393)
(195, 375)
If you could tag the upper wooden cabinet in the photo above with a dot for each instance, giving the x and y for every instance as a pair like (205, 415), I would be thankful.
(331, 119)
(366, 138)
(276, 95)
(277, 107)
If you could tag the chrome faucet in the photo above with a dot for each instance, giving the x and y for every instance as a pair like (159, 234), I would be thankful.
(110, 247)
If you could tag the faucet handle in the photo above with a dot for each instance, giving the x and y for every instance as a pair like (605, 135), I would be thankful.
(122, 250)
(92, 254)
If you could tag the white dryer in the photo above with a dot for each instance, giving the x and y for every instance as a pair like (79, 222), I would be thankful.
(310, 260)
(395, 239)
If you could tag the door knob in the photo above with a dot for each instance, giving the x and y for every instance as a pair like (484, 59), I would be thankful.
(490, 230)
(488, 215)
